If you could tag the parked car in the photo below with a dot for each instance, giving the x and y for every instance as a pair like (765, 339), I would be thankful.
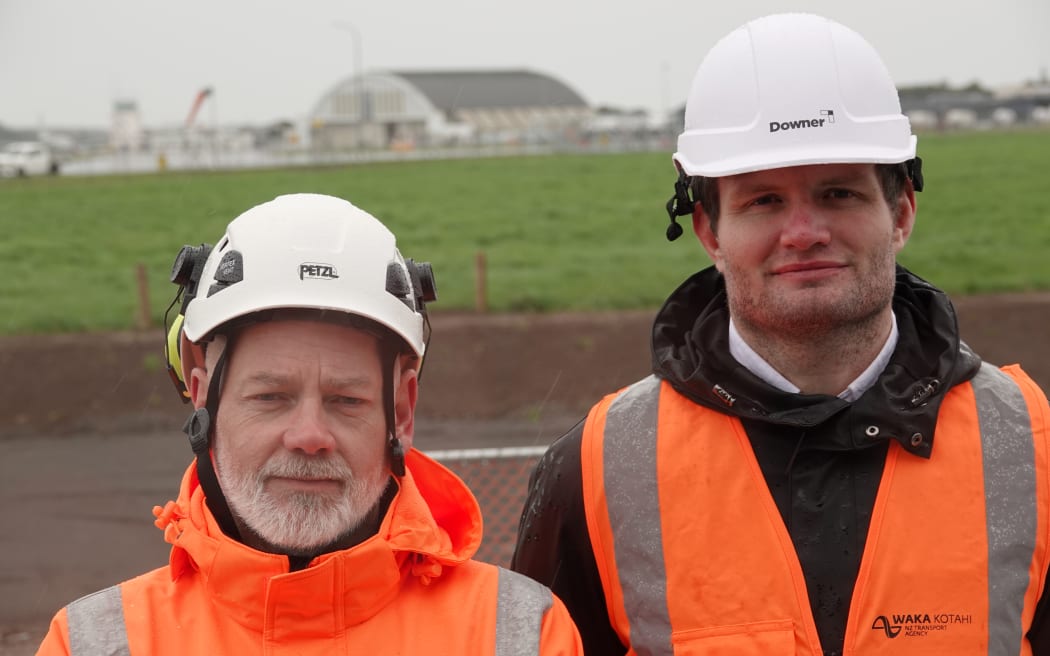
(22, 158)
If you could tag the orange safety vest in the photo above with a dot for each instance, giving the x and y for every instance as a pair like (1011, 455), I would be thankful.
(695, 558)
(410, 589)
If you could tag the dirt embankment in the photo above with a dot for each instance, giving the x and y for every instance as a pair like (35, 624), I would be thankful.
(479, 368)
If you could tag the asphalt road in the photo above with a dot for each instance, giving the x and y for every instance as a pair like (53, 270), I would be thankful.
(77, 518)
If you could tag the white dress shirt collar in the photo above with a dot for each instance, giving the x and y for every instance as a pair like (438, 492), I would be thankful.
(754, 363)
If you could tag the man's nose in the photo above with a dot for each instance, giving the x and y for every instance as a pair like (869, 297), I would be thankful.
(309, 431)
(804, 227)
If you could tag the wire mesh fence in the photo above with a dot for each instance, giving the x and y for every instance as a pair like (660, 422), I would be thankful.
(499, 479)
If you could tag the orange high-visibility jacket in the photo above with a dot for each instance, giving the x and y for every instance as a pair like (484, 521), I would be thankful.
(955, 558)
(410, 589)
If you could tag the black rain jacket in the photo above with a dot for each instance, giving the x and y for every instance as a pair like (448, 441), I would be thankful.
(821, 468)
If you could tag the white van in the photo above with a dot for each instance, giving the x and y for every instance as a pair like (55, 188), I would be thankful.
(21, 158)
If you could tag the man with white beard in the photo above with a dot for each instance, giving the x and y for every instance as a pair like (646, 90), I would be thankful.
(307, 523)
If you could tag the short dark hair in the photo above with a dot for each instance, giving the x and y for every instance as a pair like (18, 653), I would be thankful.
(892, 178)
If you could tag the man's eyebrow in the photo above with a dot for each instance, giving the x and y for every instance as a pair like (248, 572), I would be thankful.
(267, 378)
(755, 187)
(353, 380)
(842, 179)
(274, 379)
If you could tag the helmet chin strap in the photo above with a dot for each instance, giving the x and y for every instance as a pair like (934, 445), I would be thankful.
(679, 205)
(388, 358)
(200, 427)
(914, 166)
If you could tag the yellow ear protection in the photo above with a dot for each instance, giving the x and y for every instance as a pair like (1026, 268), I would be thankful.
(173, 353)
(186, 273)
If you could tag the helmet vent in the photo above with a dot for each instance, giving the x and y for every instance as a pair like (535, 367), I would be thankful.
(398, 284)
(229, 271)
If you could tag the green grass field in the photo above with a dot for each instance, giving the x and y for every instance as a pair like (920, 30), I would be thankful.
(559, 232)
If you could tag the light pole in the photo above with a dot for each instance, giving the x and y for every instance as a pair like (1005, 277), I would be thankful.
(359, 90)
(664, 120)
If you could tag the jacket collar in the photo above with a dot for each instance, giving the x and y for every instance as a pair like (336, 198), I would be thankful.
(433, 522)
(690, 349)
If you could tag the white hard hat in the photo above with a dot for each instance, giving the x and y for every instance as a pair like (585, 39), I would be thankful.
(306, 251)
(789, 90)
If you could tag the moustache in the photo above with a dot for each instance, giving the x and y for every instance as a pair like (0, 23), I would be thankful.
(305, 467)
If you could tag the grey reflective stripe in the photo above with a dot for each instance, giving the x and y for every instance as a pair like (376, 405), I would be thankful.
(521, 603)
(1010, 502)
(96, 625)
(632, 498)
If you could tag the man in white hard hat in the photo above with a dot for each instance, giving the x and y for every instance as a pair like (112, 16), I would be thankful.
(817, 464)
(307, 524)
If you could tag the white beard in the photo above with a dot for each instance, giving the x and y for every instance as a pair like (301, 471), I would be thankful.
(298, 523)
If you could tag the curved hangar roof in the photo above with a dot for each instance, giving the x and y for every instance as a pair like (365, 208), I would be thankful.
(453, 91)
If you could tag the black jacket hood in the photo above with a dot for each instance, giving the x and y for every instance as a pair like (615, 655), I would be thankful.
(690, 349)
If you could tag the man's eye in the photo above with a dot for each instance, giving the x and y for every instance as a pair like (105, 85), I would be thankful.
(768, 199)
(840, 193)
(348, 400)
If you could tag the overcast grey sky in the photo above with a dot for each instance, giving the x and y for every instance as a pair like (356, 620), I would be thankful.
(64, 62)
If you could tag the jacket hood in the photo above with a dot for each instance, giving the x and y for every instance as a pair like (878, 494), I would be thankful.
(690, 349)
(433, 522)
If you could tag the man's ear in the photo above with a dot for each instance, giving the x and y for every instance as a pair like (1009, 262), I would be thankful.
(198, 387)
(904, 217)
(199, 378)
(705, 232)
(405, 404)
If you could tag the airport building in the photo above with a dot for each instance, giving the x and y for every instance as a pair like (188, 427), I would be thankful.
(409, 109)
